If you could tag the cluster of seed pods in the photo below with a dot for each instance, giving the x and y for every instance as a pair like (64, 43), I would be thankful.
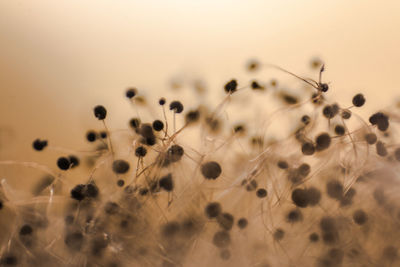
(306, 182)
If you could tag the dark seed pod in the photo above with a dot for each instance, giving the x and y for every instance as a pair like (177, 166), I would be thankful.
(131, 92)
(279, 234)
(283, 164)
(339, 130)
(304, 169)
(313, 196)
(161, 101)
(92, 190)
(328, 112)
(120, 183)
(256, 86)
(120, 166)
(323, 141)
(225, 220)
(289, 99)
(251, 186)
(100, 112)
(305, 119)
(300, 198)
(221, 239)
(324, 87)
(231, 86)
(176, 106)
(78, 192)
(358, 100)
(74, 161)
(63, 163)
(91, 136)
(192, 116)
(242, 223)
(26, 230)
(308, 148)
(239, 129)
(158, 125)
(329, 230)
(140, 151)
(360, 217)
(371, 138)
(346, 114)
(166, 183)
(294, 216)
(211, 170)
(381, 120)
(175, 153)
(103, 134)
(334, 189)
(213, 209)
(261, 193)
(39, 145)
(134, 123)
(381, 149)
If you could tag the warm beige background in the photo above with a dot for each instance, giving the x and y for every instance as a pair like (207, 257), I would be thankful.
(60, 58)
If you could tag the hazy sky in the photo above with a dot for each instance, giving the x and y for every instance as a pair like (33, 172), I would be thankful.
(60, 58)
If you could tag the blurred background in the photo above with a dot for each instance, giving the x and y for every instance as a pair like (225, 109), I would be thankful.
(58, 59)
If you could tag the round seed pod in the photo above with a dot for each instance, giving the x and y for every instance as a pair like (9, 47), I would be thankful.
(322, 141)
(213, 209)
(358, 100)
(211, 170)
(120, 166)
(63, 163)
(100, 112)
